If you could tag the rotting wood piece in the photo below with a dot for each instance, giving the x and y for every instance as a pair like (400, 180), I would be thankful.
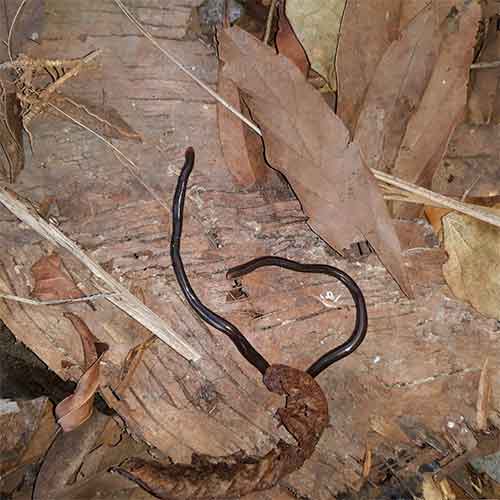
(305, 416)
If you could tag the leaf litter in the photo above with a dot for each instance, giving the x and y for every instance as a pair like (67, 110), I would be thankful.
(443, 104)
(78, 407)
(310, 145)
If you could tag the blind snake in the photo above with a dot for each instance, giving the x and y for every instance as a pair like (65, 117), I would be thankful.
(213, 319)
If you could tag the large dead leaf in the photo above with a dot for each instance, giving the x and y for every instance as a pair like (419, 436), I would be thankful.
(77, 408)
(443, 104)
(473, 267)
(367, 30)
(317, 24)
(310, 145)
(52, 280)
(395, 91)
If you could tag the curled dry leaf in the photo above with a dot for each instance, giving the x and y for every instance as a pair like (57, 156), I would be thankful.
(317, 25)
(367, 30)
(473, 267)
(52, 280)
(443, 104)
(77, 408)
(310, 145)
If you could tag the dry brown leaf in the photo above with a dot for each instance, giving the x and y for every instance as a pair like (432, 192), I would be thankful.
(483, 398)
(395, 89)
(243, 157)
(77, 408)
(317, 24)
(288, 44)
(485, 82)
(443, 104)
(103, 119)
(52, 280)
(473, 267)
(310, 145)
(367, 30)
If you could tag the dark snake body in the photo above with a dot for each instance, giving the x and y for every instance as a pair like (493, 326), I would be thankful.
(305, 414)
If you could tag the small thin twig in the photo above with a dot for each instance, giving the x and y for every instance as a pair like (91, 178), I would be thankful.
(485, 65)
(11, 29)
(269, 22)
(36, 302)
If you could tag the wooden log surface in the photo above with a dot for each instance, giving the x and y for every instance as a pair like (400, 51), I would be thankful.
(422, 357)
